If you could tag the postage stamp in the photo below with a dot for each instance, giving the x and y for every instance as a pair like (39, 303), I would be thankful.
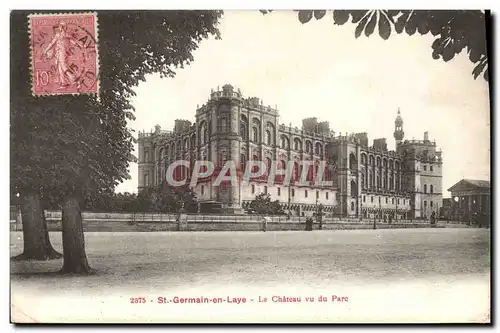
(64, 54)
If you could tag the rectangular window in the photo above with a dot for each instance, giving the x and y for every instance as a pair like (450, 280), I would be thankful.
(398, 201)
(305, 193)
(317, 194)
(202, 189)
(253, 189)
(265, 189)
(279, 191)
(364, 198)
(431, 203)
(223, 124)
(146, 154)
(371, 199)
(386, 200)
(326, 195)
(425, 203)
(431, 168)
(425, 167)
(293, 192)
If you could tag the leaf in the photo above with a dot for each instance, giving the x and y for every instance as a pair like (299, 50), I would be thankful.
(305, 16)
(410, 27)
(357, 15)
(384, 27)
(318, 14)
(479, 69)
(401, 22)
(423, 27)
(370, 27)
(340, 16)
(360, 27)
(474, 55)
(448, 53)
(435, 55)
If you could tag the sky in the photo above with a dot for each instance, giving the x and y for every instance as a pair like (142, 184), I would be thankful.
(321, 70)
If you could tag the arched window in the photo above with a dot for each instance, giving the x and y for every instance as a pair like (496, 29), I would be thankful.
(243, 131)
(146, 179)
(271, 135)
(296, 171)
(186, 144)
(352, 206)
(255, 168)
(178, 147)
(203, 133)
(308, 146)
(354, 189)
(243, 162)
(255, 134)
(268, 165)
(268, 138)
(284, 142)
(352, 162)
(425, 188)
(193, 141)
(362, 180)
(432, 189)
(318, 149)
(297, 144)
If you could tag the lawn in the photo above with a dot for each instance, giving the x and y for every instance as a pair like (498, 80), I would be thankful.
(402, 275)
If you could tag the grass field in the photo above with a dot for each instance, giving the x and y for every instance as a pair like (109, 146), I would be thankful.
(399, 275)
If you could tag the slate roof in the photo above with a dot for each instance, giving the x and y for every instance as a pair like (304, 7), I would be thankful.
(480, 184)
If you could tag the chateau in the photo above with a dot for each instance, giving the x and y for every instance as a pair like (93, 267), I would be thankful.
(368, 180)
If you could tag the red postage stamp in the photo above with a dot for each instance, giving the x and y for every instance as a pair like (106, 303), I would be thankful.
(64, 54)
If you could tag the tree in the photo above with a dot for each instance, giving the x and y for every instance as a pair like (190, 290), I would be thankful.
(79, 146)
(169, 199)
(455, 30)
(263, 205)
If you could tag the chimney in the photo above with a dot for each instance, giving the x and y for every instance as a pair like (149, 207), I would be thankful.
(426, 136)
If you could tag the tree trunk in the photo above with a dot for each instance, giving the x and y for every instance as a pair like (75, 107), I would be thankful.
(37, 244)
(75, 258)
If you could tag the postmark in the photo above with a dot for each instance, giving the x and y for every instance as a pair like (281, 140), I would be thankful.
(64, 54)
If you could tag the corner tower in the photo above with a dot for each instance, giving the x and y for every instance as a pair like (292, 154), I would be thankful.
(398, 130)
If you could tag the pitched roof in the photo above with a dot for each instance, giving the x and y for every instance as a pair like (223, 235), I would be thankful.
(480, 184)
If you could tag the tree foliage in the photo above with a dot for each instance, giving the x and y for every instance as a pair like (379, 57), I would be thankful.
(71, 147)
(162, 199)
(455, 31)
(69, 143)
(262, 204)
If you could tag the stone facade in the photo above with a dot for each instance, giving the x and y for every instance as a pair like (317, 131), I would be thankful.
(368, 181)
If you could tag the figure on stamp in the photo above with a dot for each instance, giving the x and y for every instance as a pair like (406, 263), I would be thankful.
(59, 47)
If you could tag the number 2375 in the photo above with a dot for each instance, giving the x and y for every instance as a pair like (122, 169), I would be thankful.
(136, 300)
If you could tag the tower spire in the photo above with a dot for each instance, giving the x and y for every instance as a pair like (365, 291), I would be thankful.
(398, 129)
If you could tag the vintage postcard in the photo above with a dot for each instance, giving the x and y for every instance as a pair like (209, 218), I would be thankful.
(259, 166)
